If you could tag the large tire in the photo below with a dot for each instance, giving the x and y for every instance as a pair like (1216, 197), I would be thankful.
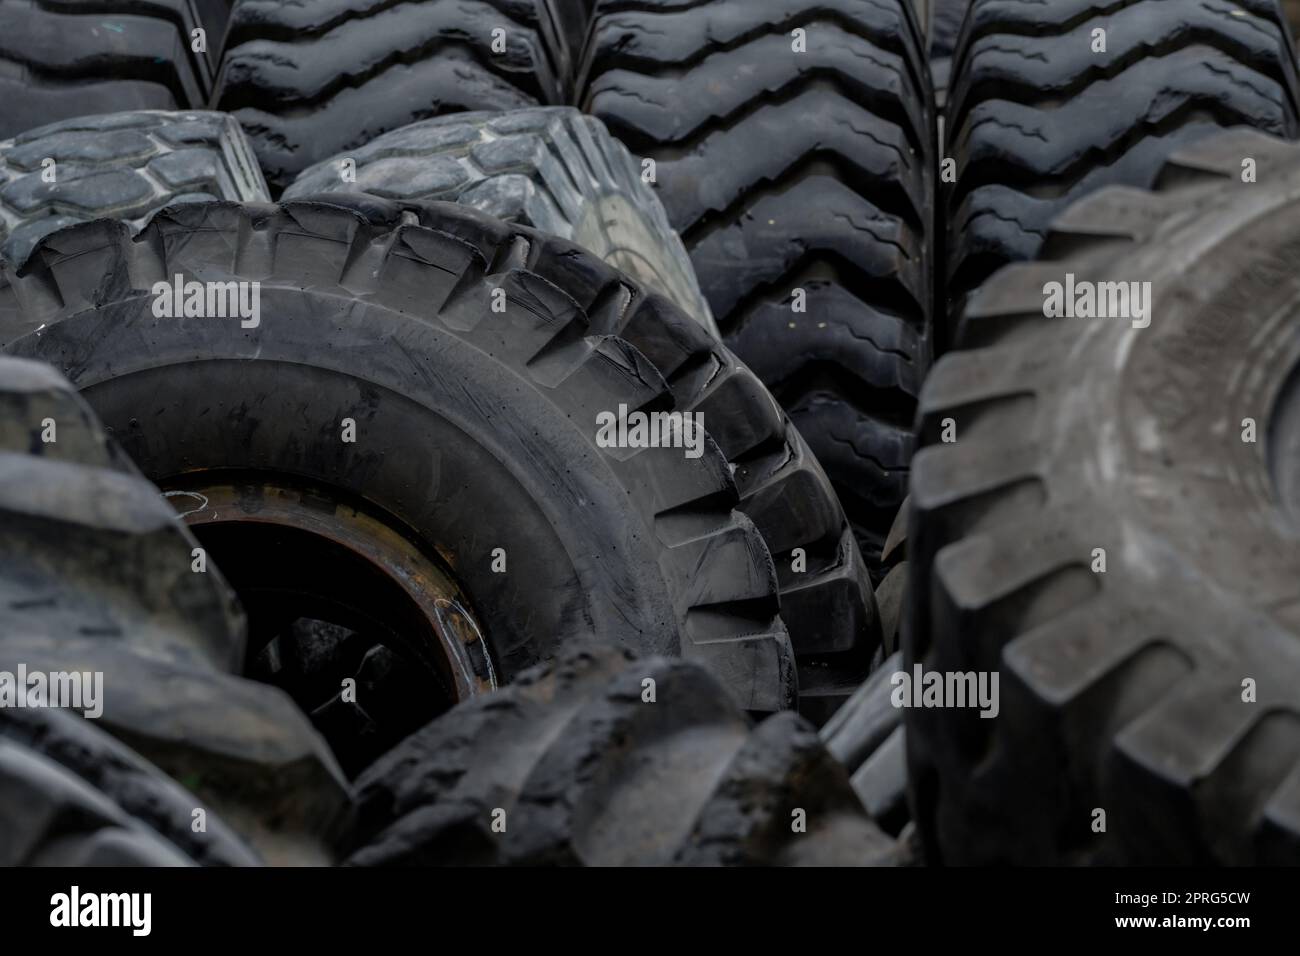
(554, 169)
(75, 59)
(1121, 691)
(120, 166)
(98, 575)
(826, 598)
(791, 171)
(475, 429)
(1036, 120)
(308, 81)
(602, 760)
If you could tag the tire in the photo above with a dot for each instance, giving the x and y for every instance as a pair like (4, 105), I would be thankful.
(308, 81)
(582, 771)
(70, 59)
(70, 795)
(1121, 691)
(120, 166)
(782, 177)
(551, 168)
(97, 575)
(866, 736)
(826, 599)
(473, 430)
(1037, 121)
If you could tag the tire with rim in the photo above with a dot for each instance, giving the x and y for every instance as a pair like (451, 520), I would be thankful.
(385, 446)
(96, 574)
(1108, 536)
(120, 166)
(1036, 120)
(582, 768)
(826, 598)
(551, 168)
(71, 59)
(308, 81)
(802, 184)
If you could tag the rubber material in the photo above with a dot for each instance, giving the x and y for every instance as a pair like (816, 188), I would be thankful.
(475, 428)
(1104, 536)
(799, 180)
(602, 760)
(308, 81)
(61, 59)
(551, 168)
(119, 166)
(1036, 120)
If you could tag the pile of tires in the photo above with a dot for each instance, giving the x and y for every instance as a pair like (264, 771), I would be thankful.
(470, 431)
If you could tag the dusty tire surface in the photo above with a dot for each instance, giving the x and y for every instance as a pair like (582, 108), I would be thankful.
(795, 172)
(582, 770)
(308, 81)
(98, 575)
(1037, 121)
(119, 166)
(551, 168)
(640, 541)
(75, 59)
(1163, 686)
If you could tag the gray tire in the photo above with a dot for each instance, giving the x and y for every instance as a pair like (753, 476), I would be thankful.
(119, 166)
(554, 169)
(1163, 686)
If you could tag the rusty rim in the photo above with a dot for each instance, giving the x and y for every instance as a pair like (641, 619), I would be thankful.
(332, 590)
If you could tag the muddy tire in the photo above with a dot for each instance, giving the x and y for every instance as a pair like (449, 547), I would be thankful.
(474, 429)
(1037, 121)
(120, 166)
(1164, 691)
(583, 771)
(309, 81)
(98, 575)
(76, 59)
(554, 169)
(788, 171)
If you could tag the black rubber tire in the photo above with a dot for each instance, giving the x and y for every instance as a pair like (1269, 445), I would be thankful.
(552, 168)
(70, 795)
(309, 81)
(1121, 691)
(867, 737)
(787, 171)
(1036, 120)
(582, 770)
(96, 574)
(476, 429)
(827, 606)
(119, 166)
(70, 58)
